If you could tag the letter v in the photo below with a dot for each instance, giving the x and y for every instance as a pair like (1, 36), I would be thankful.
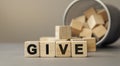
(63, 50)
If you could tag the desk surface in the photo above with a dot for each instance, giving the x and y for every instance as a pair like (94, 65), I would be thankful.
(11, 54)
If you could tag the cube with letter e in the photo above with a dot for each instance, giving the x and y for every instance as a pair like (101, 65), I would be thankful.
(79, 48)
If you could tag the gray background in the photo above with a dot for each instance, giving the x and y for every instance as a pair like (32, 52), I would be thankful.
(22, 20)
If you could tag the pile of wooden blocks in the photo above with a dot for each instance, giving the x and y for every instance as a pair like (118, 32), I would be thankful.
(94, 23)
(75, 40)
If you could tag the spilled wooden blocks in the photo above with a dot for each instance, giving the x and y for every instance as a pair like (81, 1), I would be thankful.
(93, 23)
(95, 20)
(76, 27)
(89, 12)
(74, 40)
(99, 31)
(103, 13)
(85, 33)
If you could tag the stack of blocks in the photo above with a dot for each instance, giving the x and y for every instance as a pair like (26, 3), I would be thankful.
(93, 24)
(60, 46)
(75, 40)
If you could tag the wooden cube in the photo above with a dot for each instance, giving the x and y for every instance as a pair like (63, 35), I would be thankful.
(99, 31)
(31, 49)
(89, 12)
(75, 32)
(76, 27)
(47, 49)
(63, 49)
(103, 13)
(63, 32)
(91, 44)
(85, 25)
(106, 25)
(79, 48)
(95, 20)
(81, 19)
(86, 32)
(47, 38)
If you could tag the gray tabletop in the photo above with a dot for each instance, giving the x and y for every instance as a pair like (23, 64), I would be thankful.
(12, 54)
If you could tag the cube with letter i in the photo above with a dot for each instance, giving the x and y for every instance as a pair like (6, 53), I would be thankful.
(47, 48)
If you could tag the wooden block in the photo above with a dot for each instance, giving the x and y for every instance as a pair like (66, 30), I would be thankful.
(95, 20)
(99, 31)
(47, 38)
(47, 48)
(106, 25)
(86, 25)
(79, 48)
(81, 19)
(31, 49)
(89, 12)
(97, 39)
(75, 32)
(103, 13)
(76, 27)
(86, 32)
(51, 39)
(63, 32)
(63, 49)
(91, 44)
